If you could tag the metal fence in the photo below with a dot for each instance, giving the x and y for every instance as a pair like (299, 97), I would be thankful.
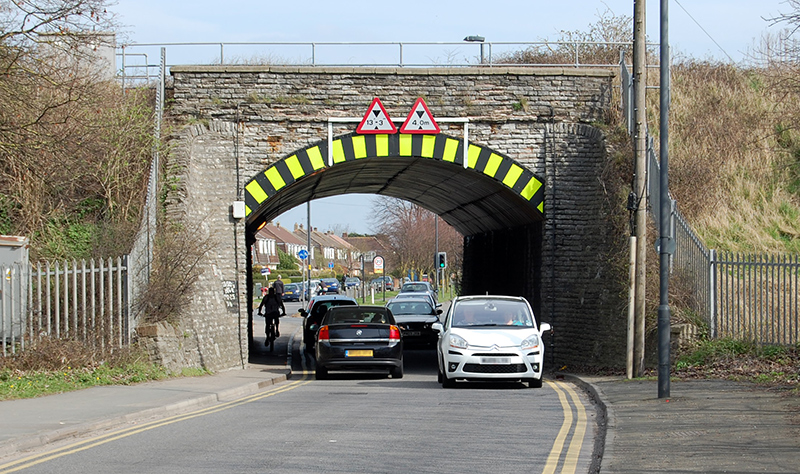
(83, 301)
(740, 296)
(761, 300)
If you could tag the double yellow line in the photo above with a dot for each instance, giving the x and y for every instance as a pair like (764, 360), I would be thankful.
(73, 448)
(576, 440)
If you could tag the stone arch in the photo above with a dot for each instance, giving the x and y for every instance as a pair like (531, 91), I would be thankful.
(512, 181)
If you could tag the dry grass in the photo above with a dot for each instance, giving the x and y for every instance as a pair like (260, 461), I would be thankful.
(733, 160)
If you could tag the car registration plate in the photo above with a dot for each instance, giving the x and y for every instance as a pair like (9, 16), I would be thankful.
(495, 360)
(412, 333)
(358, 353)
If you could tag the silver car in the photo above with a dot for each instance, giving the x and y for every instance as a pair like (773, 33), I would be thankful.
(490, 338)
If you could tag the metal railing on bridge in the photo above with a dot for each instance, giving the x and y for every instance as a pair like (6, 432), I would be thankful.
(754, 297)
(134, 64)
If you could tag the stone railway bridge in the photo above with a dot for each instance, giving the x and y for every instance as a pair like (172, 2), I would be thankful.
(516, 169)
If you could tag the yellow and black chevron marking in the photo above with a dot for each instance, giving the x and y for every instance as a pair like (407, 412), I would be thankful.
(353, 147)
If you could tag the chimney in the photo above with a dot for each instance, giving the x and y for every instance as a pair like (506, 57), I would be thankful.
(344, 235)
(295, 226)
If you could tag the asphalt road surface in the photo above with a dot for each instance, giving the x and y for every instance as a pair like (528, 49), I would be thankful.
(358, 423)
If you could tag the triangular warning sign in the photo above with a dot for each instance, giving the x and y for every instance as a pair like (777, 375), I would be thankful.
(420, 120)
(376, 120)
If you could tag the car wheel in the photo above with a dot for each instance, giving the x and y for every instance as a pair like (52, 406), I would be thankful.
(534, 383)
(448, 383)
(397, 372)
(321, 373)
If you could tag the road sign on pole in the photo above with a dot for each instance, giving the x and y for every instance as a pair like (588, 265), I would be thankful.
(303, 254)
(377, 264)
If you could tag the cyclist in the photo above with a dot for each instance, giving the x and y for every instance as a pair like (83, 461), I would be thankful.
(270, 308)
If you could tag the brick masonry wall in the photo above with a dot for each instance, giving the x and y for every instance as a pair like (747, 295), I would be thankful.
(539, 117)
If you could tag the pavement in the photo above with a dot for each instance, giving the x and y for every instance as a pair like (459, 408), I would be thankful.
(708, 426)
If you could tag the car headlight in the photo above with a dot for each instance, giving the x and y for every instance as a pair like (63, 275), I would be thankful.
(530, 343)
(458, 342)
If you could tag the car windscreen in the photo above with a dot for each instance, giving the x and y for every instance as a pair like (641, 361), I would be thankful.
(358, 315)
(485, 313)
(409, 307)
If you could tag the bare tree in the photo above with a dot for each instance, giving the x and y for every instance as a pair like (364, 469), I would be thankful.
(601, 44)
(410, 231)
(73, 148)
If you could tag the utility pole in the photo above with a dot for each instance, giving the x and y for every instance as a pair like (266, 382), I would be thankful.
(665, 250)
(640, 151)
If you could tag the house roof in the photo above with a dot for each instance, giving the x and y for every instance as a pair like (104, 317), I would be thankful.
(341, 243)
(279, 234)
(369, 243)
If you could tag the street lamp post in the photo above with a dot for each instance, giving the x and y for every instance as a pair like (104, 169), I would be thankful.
(476, 39)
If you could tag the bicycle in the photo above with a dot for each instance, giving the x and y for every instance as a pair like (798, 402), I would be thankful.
(271, 332)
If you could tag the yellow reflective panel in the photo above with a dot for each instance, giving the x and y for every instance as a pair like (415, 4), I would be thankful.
(450, 150)
(247, 210)
(338, 152)
(315, 157)
(382, 145)
(360, 146)
(294, 166)
(405, 145)
(428, 143)
(256, 191)
(472, 158)
(512, 176)
(541, 207)
(531, 188)
(492, 165)
(275, 178)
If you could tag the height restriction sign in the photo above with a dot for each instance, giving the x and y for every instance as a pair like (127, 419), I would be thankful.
(420, 120)
(376, 120)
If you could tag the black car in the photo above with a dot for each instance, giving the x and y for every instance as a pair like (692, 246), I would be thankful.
(415, 316)
(359, 338)
(312, 315)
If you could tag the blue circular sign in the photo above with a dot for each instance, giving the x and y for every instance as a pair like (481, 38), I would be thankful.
(303, 254)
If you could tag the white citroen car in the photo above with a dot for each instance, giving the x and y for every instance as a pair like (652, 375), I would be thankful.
(490, 338)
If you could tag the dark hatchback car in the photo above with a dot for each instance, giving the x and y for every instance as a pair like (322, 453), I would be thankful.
(292, 292)
(415, 317)
(359, 338)
(312, 315)
(331, 285)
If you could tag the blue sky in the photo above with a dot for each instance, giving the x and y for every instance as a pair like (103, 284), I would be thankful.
(702, 29)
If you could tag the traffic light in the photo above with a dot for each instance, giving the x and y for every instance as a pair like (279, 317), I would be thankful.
(441, 260)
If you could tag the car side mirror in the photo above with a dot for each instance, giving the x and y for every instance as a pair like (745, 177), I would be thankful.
(303, 313)
(544, 327)
(439, 305)
(313, 327)
(437, 327)
(438, 311)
